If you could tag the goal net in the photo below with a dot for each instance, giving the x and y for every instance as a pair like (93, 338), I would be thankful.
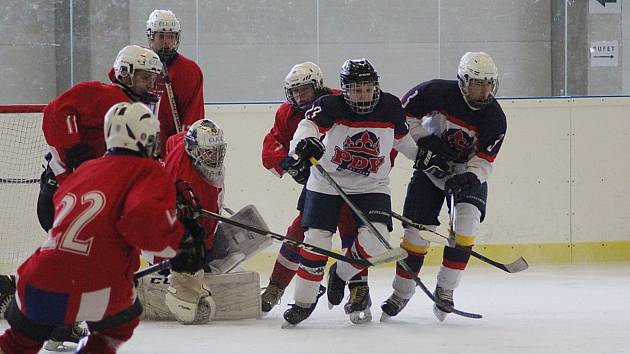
(22, 149)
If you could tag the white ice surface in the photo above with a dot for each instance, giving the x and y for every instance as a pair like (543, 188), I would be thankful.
(568, 309)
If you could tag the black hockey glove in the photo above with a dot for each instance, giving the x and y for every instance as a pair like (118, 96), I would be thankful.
(428, 161)
(310, 147)
(438, 146)
(77, 155)
(298, 169)
(465, 183)
(191, 255)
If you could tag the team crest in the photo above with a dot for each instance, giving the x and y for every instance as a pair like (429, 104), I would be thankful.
(360, 154)
(460, 142)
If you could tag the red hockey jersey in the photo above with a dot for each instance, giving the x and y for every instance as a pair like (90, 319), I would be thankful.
(276, 142)
(179, 166)
(76, 117)
(106, 212)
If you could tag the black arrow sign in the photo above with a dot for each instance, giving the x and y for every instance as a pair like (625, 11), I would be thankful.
(603, 56)
(603, 2)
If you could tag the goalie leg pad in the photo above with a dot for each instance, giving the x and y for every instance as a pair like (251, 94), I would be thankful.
(236, 295)
(188, 301)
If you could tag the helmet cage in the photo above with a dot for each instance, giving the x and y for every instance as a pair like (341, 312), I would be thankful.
(364, 107)
(477, 68)
(206, 147)
(303, 74)
(163, 21)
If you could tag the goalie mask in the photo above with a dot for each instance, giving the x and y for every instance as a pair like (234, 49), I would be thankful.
(206, 147)
(134, 60)
(359, 82)
(163, 30)
(478, 79)
(295, 84)
(134, 127)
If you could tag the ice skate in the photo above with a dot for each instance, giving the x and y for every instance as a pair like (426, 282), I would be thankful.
(358, 307)
(392, 306)
(7, 292)
(297, 313)
(270, 297)
(336, 287)
(446, 296)
(66, 334)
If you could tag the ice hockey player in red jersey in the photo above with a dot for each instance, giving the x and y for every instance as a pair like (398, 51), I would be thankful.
(196, 156)
(459, 127)
(303, 84)
(107, 211)
(73, 122)
(185, 76)
(186, 79)
(361, 128)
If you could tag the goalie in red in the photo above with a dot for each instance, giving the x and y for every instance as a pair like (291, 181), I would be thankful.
(84, 271)
(197, 156)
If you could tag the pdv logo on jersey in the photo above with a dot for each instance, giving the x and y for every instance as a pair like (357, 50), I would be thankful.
(360, 154)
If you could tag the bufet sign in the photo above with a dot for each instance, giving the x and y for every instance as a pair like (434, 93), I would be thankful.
(604, 53)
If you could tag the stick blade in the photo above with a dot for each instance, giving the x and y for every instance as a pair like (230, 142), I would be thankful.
(392, 255)
(518, 265)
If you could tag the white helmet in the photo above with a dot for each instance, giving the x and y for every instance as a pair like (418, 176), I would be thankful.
(478, 66)
(163, 21)
(132, 126)
(206, 147)
(134, 57)
(303, 74)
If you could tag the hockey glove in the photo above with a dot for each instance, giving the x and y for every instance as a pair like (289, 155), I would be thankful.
(465, 183)
(191, 255)
(310, 147)
(428, 161)
(298, 169)
(188, 207)
(438, 146)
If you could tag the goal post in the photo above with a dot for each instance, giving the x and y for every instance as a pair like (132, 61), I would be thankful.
(22, 150)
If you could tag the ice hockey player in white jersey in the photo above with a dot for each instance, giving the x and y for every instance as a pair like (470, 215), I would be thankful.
(459, 128)
(361, 127)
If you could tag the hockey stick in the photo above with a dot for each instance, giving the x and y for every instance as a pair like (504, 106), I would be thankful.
(171, 98)
(451, 220)
(158, 267)
(517, 266)
(385, 243)
(392, 256)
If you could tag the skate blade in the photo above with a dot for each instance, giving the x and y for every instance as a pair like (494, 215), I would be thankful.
(385, 317)
(55, 346)
(287, 325)
(330, 305)
(439, 314)
(361, 317)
